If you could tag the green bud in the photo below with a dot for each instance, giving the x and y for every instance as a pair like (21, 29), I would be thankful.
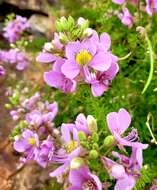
(22, 124)
(92, 124)
(109, 141)
(84, 144)
(8, 106)
(76, 163)
(95, 137)
(95, 146)
(82, 136)
(63, 38)
(93, 154)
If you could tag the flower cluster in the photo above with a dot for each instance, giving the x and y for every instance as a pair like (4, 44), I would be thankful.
(72, 144)
(79, 56)
(14, 57)
(33, 135)
(12, 32)
(126, 17)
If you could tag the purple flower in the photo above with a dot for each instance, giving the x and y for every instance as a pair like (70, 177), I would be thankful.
(126, 17)
(151, 7)
(119, 1)
(84, 54)
(27, 143)
(70, 149)
(15, 28)
(65, 159)
(57, 79)
(2, 71)
(82, 179)
(46, 152)
(29, 103)
(128, 171)
(100, 81)
(81, 124)
(37, 118)
(154, 186)
(118, 122)
(14, 57)
(34, 118)
(46, 56)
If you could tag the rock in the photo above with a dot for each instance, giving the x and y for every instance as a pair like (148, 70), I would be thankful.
(42, 24)
(36, 5)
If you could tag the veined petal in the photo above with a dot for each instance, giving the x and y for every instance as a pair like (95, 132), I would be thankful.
(101, 61)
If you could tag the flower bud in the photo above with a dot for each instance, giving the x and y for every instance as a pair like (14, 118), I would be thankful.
(62, 19)
(93, 154)
(87, 32)
(109, 140)
(82, 136)
(48, 46)
(95, 137)
(63, 38)
(80, 21)
(95, 146)
(76, 163)
(8, 106)
(92, 124)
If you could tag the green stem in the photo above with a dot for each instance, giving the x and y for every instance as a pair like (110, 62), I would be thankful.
(151, 54)
(148, 126)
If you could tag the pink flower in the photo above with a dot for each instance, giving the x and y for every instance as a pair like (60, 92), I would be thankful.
(126, 17)
(55, 78)
(100, 81)
(118, 122)
(119, 1)
(84, 54)
(127, 171)
(15, 28)
(82, 178)
(151, 7)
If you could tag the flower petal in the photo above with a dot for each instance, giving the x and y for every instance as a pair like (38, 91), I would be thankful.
(70, 69)
(101, 61)
(46, 57)
(98, 89)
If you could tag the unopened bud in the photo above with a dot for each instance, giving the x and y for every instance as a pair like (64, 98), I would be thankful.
(8, 106)
(92, 124)
(95, 137)
(80, 21)
(48, 46)
(63, 38)
(109, 141)
(62, 19)
(76, 163)
(95, 146)
(87, 32)
(93, 154)
(82, 136)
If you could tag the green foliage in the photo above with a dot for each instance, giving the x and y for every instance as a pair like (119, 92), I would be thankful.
(145, 179)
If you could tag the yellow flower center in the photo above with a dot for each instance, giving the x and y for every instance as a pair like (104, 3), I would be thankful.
(70, 146)
(83, 57)
(31, 141)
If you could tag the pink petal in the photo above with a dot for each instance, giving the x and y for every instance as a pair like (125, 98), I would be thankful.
(70, 69)
(98, 89)
(105, 40)
(101, 61)
(46, 58)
